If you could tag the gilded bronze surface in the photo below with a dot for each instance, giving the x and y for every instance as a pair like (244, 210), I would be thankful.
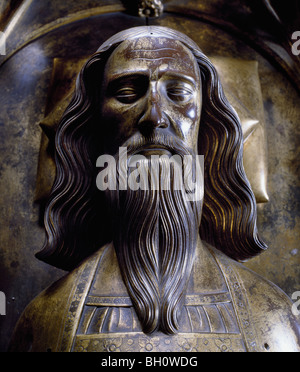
(157, 286)
(38, 33)
(89, 310)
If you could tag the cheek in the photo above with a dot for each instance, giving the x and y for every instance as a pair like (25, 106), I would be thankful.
(191, 113)
(119, 119)
(187, 118)
(111, 111)
(115, 111)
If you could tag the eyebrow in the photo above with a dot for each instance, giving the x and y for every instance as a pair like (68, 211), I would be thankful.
(134, 75)
(178, 76)
(151, 59)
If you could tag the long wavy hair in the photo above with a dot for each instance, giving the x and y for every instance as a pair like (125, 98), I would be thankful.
(76, 216)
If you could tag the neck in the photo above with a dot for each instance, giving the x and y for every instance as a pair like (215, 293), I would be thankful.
(204, 269)
(109, 282)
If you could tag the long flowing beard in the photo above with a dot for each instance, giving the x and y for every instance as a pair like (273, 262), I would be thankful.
(155, 240)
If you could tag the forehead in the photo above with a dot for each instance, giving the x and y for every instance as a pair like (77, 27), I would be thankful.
(153, 54)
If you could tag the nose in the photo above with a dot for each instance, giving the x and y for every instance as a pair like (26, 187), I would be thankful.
(153, 116)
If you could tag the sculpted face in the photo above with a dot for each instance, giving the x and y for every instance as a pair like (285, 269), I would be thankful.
(151, 104)
(151, 84)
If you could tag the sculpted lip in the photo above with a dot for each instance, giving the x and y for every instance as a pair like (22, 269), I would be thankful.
(155, 150)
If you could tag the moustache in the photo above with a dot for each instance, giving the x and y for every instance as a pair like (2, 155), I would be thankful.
(160, 140)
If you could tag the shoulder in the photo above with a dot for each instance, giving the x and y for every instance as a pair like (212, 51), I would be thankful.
(42, 316)
(277, 328)
(40, 326)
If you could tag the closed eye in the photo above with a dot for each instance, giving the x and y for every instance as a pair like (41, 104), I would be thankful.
(128, 89)
(180, 94)
(127, 95)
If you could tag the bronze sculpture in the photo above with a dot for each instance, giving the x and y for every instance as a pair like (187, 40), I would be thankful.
(157, 286)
